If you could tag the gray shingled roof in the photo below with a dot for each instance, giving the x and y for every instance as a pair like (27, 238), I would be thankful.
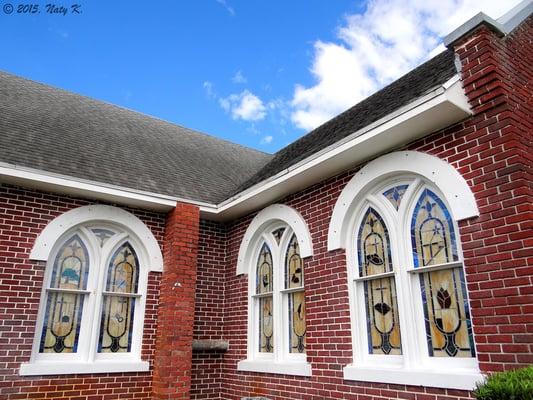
(57, 131)
(409, 87)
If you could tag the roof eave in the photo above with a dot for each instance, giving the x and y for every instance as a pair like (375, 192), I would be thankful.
(443, 106)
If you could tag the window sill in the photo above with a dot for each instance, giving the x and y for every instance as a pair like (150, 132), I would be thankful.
(300, 368)
(463, 379)
(97, 367)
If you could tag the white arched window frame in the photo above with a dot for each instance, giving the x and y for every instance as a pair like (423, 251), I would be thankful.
(103, 231)
(280, 360)
(414, 365)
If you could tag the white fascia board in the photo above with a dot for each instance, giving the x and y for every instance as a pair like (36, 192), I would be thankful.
(47, 181)
(438, 109)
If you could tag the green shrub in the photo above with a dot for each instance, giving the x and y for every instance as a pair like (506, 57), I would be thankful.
(509, 385)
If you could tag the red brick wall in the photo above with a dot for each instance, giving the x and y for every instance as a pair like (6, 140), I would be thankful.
(209, 311)
(23, 215)
(490, 150)
(173, 355)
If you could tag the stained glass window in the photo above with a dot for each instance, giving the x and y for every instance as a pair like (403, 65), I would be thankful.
(62, 320)
(264, 283)
(432, 232)
(294, 276)
(278, 233)
(293, 265)
(297, 328)
(395, 195)
(266, 325)
(448, 325)
(102, 234)
(383, 326)
(446, 313)
(118, 310)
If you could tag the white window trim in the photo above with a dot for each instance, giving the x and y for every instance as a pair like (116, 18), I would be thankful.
(86, 359)
(268, 220)
(412, 368)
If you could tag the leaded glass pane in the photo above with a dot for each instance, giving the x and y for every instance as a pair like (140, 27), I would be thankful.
(63, 310)
(116, 324)
(432, 232)
(447, 317)
(264, 272)
(297, 328)
(395, 195)
(278, 233)
(123, 271)
(383, 325)
(102, 234)
(266, 325)
(71, 266)
(62, 320)
(294, 274)
(373, 245)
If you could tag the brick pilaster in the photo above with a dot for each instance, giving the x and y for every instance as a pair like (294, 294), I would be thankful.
(173, 354)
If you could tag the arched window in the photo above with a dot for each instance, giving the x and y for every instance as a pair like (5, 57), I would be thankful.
(411, 319)
(94, 294)
(277, 331)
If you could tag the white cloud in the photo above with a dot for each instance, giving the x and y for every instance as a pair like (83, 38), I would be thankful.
(209, 90)
(224, 4)
(245, 105)
(267, 139)
(376, 47)
(239, 77)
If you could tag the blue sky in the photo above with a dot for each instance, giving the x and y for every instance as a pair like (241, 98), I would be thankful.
(260, 73)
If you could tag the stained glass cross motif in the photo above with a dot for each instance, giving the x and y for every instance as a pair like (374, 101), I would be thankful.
(383, 326)
(395, 195)
(293, 265)
(264, 271)
(278, 233)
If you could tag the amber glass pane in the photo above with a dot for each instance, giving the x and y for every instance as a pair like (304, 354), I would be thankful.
(61, 327)
(266, 325)
(383, 325)
(297, 328)
(116, 324)
(432, 232)
(448, 325)
(373, 245)
(123, 271)
(264, 283)
(395, 195)
(71, 266)
(294, 272)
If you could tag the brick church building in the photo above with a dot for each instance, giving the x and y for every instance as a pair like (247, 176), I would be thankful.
(386, 254)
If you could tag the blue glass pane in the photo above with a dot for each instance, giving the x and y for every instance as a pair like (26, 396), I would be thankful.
(71, 265)
(395, 195)
(373, 245)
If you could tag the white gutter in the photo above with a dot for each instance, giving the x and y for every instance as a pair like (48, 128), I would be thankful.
(437, 109)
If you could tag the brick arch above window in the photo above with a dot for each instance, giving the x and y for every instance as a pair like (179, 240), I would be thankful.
(269, 215)
(94, 213)
(443, 175)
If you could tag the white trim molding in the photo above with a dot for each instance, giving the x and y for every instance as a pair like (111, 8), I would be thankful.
(97, 367)
(444, 176)
(451, 379)
(299, 368)
(97, 213)
(275, 212)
